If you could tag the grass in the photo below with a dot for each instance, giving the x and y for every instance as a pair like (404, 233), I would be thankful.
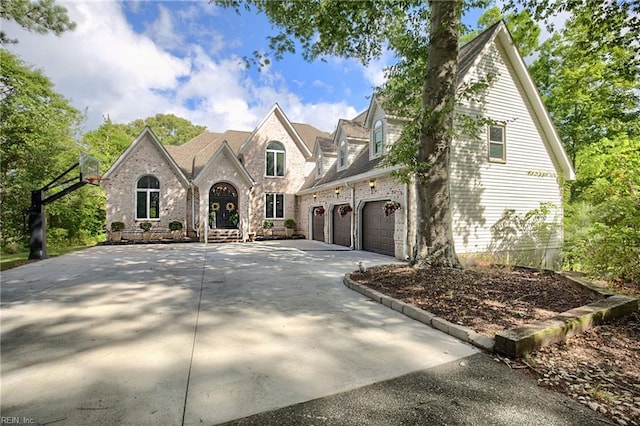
(13, 260)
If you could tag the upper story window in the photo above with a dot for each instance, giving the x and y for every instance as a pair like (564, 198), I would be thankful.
(377, 140)
(148, 198)
(342, 155)
(497, 143)
(275, 159)
(319, 165)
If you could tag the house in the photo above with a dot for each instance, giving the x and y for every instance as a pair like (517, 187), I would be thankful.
(333, 185)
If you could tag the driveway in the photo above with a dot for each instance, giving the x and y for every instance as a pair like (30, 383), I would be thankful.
(194, 334)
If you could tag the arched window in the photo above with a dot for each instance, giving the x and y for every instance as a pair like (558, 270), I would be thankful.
(275, 160)
(148, 198)
(378, 145)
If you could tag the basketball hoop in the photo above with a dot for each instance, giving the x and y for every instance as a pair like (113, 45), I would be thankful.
(95, 180)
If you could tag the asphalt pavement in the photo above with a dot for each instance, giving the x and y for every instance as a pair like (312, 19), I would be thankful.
(191, 334)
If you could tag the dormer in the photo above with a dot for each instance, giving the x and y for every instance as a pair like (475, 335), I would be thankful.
(378, 125)
(350, 139)
(325, 153)
(376, 141)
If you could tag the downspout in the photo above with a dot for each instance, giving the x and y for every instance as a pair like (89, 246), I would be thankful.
(353, 215)
(405, 249)
(249, 209)
(193, 199)
(193, 208)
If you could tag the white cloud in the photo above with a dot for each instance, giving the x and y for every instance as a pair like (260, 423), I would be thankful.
(110, 69)
(163, 32)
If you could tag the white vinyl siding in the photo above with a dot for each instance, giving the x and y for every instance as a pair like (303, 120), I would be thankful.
(377, 141)
(497, 142)
(482, 190)
(342, 156)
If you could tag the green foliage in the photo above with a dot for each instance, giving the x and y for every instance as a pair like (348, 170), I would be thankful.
(169, 129)
(109, 141)
(36, 143)
(117, 226)
(590, 86)
(603, 228)
(524, 240)
(612, 23)
(175, 225)
(40, 16)
(267, 224)
(289, 223)
(146, 226)
(524, 30)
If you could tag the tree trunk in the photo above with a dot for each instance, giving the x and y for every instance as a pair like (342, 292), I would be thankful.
(434, 246)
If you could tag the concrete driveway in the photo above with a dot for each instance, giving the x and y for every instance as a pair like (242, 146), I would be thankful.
(194, 334)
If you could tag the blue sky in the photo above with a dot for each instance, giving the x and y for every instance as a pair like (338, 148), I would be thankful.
(135, 59)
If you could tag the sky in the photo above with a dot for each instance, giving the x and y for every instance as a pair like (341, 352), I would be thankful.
(135, 59)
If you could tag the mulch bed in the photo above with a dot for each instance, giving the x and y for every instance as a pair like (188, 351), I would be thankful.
(486, 300)
(599, 368)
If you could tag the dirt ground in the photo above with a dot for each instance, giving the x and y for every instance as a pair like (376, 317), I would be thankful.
(600, 368)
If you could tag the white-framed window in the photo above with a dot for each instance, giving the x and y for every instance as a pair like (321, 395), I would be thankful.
(342, 155)
(275, 160)
(377, 144)
(148, 198)
(319, 165)
(274, 206)
(497, 143)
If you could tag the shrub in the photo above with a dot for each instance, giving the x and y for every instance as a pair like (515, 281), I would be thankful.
(117, 226)
(146, 226)
(175, 225)
(267, 224)
(290, 223)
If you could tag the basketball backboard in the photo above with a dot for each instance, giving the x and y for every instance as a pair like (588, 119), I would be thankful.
(89, 169)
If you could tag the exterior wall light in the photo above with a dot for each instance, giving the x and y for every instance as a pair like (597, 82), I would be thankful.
(372, 185)
(337, 192)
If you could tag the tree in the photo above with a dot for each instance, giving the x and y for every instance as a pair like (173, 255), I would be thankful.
(36, 138)
(523, 29)
(591, 93)
(40, 16)
(362, 30)
(169, 129)
(603, 227)
(619, 19)
(109, 141)
(428, 59)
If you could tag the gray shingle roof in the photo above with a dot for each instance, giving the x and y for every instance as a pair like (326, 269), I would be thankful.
(467, 56)
(470, 51)
(196, 152)
(326, 145)
(308, 133)
(354, 129)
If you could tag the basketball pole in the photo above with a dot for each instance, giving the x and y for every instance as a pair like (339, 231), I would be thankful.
(37, 214)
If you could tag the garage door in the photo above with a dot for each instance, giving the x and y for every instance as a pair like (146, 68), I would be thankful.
(317, 231)
(377, 229)
(341, 228)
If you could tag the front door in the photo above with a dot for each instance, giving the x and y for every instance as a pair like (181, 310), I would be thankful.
(223, 206)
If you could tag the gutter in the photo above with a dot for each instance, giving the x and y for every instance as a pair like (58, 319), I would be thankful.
(345, 181)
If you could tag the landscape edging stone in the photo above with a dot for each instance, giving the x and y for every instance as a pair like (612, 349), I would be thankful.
(528, 338)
